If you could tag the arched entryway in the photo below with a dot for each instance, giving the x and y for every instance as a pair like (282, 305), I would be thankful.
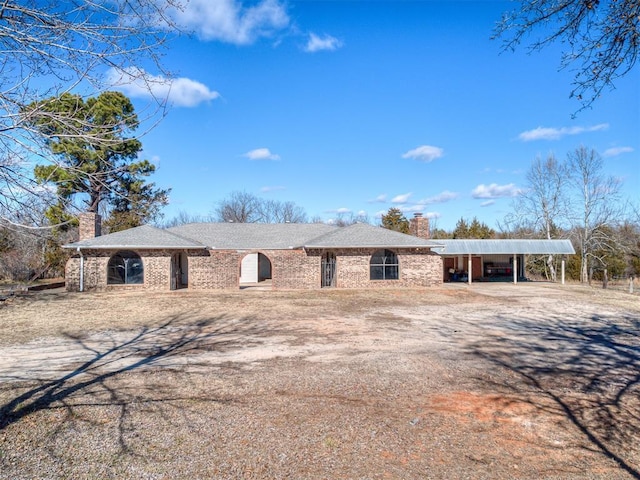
(255, 269)
(179, 271)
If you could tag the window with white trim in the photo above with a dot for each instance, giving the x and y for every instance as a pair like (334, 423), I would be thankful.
(384, 266)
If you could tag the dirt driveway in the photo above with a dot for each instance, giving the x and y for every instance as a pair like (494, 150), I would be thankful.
(488, 381)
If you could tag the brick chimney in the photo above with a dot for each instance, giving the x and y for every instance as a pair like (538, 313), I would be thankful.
(419, 226)
(90, 225)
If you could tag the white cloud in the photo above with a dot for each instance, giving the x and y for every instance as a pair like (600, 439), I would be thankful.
(615, 151)
(495, 191)
(379, 199)
(401, 198)
(261, 154)
(546, 133)
(317, 43)
(181, 92)
(487, 203)
(272, 189)
(380, 213)
(442, 197)
(339, 211)
(432, 215)
(411, 208)
(424, 153)
(230, 20)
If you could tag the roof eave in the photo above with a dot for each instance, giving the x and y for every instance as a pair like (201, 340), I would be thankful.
(135, 247)
(386, 245)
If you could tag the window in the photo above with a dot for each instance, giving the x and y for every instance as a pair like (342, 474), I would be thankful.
(125, 268)
(384, 266)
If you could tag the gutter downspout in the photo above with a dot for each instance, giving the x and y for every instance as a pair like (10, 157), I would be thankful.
(81, 269)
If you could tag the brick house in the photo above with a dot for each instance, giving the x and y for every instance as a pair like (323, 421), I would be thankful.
(204, 256)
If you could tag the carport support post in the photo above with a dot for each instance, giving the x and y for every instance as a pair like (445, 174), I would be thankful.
(469, 268)
(562, 275)
(515, 268)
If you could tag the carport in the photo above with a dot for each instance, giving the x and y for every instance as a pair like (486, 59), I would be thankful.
(473, 259)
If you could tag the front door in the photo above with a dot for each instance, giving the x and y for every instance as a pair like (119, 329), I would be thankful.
(329, 270)
(179, 271)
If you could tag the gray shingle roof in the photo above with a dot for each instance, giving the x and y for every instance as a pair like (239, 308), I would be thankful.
(246, 236)
(145, 236)
(361, 235)
(507, 247)
(253, 236)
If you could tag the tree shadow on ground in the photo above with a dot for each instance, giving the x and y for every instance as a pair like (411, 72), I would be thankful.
(168, 345)
(584, 370)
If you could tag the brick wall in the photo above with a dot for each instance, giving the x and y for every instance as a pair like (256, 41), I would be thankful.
(417, 268)
(290, 269)
(214, 269)
(157, 270)
(419, 226)
(95, 271)
(294, 269)
(156, 264)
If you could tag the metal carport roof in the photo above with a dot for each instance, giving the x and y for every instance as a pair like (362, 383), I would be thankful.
(504, 246)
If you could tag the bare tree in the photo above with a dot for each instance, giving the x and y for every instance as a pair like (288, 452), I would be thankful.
(238, 207)
(182, 218)
(597, 207)
(53, 47)
(542, 206)
(274, 211)
(243, 207)
(346, 219)
(602, 38)
(24, 245)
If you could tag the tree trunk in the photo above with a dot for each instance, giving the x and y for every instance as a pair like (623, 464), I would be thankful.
(552, 268)
(95, 195)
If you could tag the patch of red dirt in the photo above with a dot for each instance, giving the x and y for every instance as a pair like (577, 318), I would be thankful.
(482, 407)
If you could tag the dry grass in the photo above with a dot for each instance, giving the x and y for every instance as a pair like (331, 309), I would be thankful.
(492, 381)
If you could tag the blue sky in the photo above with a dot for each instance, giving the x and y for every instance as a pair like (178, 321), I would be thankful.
(361, 106)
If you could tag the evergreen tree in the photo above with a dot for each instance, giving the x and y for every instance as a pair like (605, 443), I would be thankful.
(395, 220)
(95, 159)
(479, 229)
(475, 229)
(461, 230)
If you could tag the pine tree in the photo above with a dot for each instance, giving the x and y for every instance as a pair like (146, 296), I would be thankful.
(95, 159)
(395, 220)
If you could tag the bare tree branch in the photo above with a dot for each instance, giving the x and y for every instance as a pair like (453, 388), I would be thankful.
(602, 38)
(48, 48)
(243, 207)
